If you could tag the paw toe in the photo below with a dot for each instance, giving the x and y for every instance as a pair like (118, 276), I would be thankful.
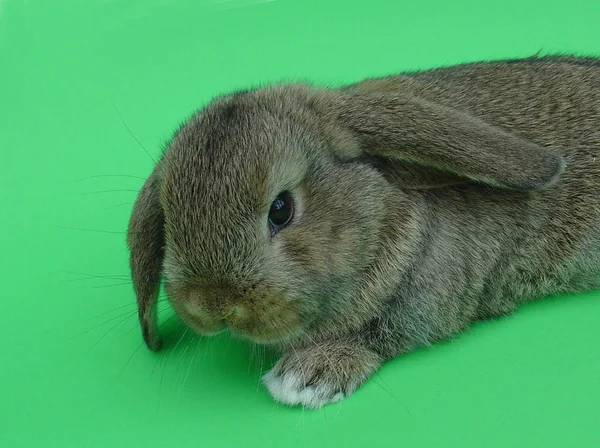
(289, 389)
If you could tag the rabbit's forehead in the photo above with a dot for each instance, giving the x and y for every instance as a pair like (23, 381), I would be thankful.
(241, 146)
(230, 164)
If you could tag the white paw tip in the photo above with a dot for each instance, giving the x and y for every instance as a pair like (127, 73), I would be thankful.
(289, 389)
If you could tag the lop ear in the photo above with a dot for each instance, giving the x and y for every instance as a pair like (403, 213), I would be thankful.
(413, 176)
(145, 239)
(403, 127)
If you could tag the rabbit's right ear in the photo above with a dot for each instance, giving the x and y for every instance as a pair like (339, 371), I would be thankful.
(397, 125)
(145, 239)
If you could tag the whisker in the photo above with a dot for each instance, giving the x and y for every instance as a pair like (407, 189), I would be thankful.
(200, 339)
(129, 359)
(113, 285)
(212, 353)
(169, 355)
(163, 357)
(108, 175)
(131, 133)
(264, 354)
(132, 304)
(162, 375)
(119, 205)
(109, 330)
(132, 329)
(80, 229)
(374, 379)
(129, 314)
(159, 361)
(302, 420)
(262, 363)
(117, 190)
(137, 326)
(91, 276)
(194, 356)
(184, 350)
(251, 357)
(72, 280)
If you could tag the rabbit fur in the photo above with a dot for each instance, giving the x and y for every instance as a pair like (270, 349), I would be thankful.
(424, 201)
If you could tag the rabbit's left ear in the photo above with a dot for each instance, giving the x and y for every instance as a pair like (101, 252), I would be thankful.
(402, 127)
(145, 238)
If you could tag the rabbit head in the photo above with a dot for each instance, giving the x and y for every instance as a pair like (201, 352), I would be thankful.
(288, 209)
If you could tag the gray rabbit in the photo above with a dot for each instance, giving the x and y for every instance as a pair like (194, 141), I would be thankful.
(344, 227)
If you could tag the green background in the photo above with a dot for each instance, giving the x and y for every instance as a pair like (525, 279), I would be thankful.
(76, 75)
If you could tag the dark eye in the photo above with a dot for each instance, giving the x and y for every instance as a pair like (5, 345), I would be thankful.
(281, 212)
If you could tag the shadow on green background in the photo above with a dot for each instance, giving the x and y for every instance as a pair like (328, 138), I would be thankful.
(73, 370)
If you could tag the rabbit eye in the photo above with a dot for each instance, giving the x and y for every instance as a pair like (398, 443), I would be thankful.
(281, 212)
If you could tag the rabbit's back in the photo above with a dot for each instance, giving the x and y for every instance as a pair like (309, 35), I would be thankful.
(523, 244)
(553, 101)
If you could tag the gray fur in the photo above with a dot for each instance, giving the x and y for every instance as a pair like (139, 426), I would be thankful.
(425, 201)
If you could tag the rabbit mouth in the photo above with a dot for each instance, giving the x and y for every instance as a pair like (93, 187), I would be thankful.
(265, 325)
(277, 326)
(264, 329)
(267, 334)
(203, 326)
(265, 338)
(259, 315)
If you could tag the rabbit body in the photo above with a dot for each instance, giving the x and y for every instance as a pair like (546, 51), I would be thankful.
(424, 201)
(484, 250)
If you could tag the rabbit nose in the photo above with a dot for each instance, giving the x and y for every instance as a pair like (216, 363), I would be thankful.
(223, 304)
(224, 308)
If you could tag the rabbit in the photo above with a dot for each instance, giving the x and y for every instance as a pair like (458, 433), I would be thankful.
(344, 227)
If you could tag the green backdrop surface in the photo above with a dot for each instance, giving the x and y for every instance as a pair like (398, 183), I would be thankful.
(81, 81)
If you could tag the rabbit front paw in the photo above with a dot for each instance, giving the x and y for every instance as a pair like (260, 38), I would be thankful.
(320, 374)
